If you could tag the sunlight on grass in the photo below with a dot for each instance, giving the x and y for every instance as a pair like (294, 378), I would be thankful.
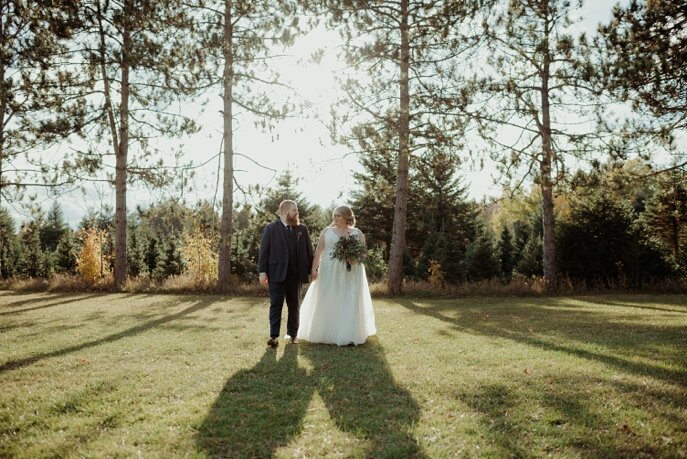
(320, 436)
(125, 375)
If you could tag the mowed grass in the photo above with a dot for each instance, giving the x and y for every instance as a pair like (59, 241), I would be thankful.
(134, 375)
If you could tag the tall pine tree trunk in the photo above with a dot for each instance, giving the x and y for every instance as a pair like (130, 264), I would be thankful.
(395, 282)
(548, 220)
(2, 138)
(224, 268)
(549, 260)
(120, 264)
(106, 82)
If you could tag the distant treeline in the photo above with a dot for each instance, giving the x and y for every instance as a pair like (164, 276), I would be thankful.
(612, 230)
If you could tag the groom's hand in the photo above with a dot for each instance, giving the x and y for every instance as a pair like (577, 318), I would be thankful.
(263, 279)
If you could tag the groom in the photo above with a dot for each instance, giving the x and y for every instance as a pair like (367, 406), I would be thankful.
(284, 265)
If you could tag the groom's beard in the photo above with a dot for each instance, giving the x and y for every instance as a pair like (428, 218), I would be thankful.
(293, 221)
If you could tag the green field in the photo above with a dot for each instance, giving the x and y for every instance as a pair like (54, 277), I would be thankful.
(129, 375)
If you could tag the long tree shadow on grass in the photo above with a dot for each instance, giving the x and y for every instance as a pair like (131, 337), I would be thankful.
(16, 299)
(363, 399)
(554, 406)
(64, 299)
(678, 304)
(510, 430)
(495, 402)
(263, 408)
(14, 364)
(610, 338)
(259, 410)
(556, 330)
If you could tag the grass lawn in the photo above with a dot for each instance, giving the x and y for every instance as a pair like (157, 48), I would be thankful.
(129, 375)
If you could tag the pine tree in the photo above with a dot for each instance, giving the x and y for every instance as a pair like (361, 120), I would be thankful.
(600, 242)
(244, 251)
(373, 200)
(53, 228)
(506, 254)
(165, 219)
(666, 212)
(141, 58)
(153, 256)
(521, 213)
(400, 42)
(442, 209)
(530, 245)
(66, 253)
(643, 52)
(266, 211)
(480, 258)
(530, 258)
(173, 259)
(102, 219)
(31, 259)
(136, 253)
(36, 107)
(8, 245)
(536, 77)
(521, 236)
(241, 37)
(443, 221)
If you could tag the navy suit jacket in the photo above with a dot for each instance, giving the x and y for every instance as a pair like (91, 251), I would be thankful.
(274, 252)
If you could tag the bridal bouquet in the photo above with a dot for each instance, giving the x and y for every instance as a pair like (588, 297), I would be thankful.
(349, 248)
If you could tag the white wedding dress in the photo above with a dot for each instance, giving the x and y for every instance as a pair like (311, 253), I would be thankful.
(337, 308)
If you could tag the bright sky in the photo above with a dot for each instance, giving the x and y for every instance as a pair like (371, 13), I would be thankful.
(303, 145)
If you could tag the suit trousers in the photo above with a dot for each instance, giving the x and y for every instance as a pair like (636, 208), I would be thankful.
(289, 290)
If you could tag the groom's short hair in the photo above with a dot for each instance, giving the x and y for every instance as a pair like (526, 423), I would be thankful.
(286, 205)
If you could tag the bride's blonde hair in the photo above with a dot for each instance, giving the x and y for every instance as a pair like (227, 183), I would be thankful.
(345, 212)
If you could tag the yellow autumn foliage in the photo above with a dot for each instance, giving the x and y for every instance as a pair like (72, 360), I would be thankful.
(436, 274)
(200, 255)
(90, 263)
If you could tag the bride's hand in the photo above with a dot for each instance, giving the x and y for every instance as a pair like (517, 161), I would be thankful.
(313, 275)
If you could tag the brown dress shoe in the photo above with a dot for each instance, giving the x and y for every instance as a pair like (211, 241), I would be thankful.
(294, 340)
(273, 342)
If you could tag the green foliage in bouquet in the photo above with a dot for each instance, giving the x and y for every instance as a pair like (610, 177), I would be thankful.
(349, 248)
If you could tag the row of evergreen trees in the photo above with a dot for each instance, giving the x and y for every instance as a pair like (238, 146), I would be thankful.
(617, 223)
(612, 229)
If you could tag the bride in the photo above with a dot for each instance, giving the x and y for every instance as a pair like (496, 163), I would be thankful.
(337, 309)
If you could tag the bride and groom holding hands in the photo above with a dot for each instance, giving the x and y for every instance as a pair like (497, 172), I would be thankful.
(337, 308)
